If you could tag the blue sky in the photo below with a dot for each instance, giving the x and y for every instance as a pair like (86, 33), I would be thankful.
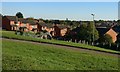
(63, 10)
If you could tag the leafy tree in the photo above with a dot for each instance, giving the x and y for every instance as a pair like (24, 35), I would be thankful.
(118, 39)
(41, 19)
(86, 32)
(19, 15)
(46, 21)
(82, 32)
(106, 39)
(92, 32)
(118, 21)
(100, 21)
(30, 18)
(56, 21)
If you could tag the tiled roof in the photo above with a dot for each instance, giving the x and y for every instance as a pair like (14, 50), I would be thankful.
(116, 28)
(32, 22)
(12, 18)
(77, 29)
(47, 25)
(22, 20)
(102, 31)
(62, 26)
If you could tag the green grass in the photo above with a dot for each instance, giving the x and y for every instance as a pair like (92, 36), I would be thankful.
(11, 34)
(27, 56)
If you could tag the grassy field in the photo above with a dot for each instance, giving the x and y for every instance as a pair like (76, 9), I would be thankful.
(11, 34)
(27, 56)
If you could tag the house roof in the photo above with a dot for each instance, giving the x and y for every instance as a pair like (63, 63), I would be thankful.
(76, 29)
(32, 22)
(12, 18)
(116, 28)
(102, 31)
(47, 25)
(22, 20)
(62, 26)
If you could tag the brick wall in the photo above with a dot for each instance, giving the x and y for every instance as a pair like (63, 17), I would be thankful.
(6, 24)
(113, 34)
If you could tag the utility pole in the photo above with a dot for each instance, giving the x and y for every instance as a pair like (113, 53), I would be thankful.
(93, 28)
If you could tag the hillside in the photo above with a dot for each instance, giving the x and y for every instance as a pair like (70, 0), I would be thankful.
(11, 35)
(29, 56)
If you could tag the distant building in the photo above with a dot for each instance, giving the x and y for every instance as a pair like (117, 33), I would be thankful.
(116, 28)
(9, 22)
(0, 20)
(60, 30)
(54, 29)
(13, 23)
(108, 31)
(31, 25)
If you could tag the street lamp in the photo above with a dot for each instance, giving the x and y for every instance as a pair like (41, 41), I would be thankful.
(93, 28)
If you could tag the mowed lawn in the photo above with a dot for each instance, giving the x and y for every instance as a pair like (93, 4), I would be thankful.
(28, 56)
(12, 35)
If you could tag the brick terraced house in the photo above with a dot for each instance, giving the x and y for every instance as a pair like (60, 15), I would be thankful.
(10, 22)
(13, 23)
(108, 31)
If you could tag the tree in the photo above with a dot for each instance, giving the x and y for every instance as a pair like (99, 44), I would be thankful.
(30, 18)
(118, 21)
(85, 32)
(41, 19)
(92, 32)
(105, 39)
(46, 21)
(19, 15)
(56, 21)
(118, 39)
(82, 32)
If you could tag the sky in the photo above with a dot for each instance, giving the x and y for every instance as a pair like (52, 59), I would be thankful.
(62, 10)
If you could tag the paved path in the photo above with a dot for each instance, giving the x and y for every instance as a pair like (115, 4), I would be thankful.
(67, 47)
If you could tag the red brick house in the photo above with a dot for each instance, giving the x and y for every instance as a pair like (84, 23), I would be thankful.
(14, 23)
(54, 30)
(47, 27)
(60, 30)
(113, 34)
(10, 22)
(108, 31)
(0, 20)
(30, 25)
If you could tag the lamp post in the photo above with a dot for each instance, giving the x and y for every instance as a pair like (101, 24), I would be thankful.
(93, 28)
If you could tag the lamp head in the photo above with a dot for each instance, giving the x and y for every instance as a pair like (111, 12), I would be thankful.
(92, 14)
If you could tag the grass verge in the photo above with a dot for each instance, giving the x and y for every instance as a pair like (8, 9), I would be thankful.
(28, 56)
(11, 35)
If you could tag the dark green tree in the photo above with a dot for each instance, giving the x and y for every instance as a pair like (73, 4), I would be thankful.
(19, 15)
(92, 32)
(30, 18)
(106, 39)
(86, 32)
(82, 32)
(118, 39)
(118, 22)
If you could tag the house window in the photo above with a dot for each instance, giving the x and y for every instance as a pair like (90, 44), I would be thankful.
(43, 28)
